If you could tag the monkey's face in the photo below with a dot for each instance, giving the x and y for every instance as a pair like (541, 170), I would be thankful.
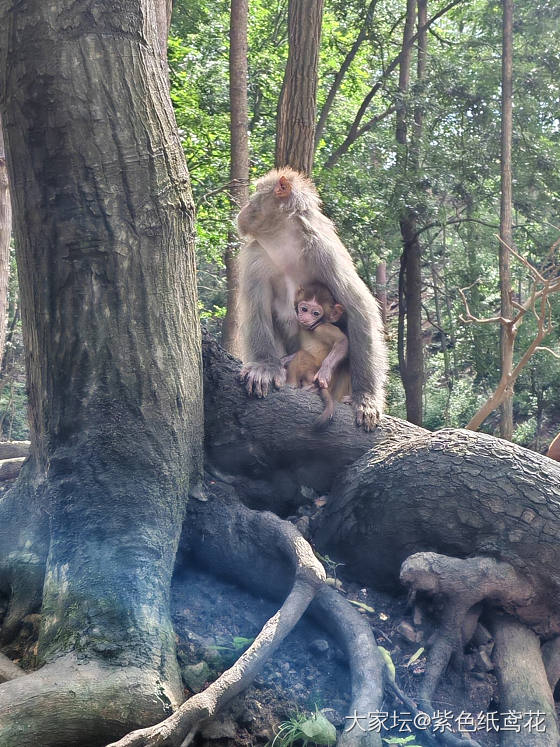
(309, 313)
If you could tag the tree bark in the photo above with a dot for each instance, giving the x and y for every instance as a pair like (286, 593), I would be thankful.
(381, 289)
(297, 108)
(5, 236)
(410, 278)
(104, 237)
(506, 234)
(239, 172)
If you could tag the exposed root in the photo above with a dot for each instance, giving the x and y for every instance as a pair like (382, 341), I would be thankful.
(180, 728)
(524, 688)
(9, 670)
(550, 653)
(461, 584)
(364, 660)
(71, 702)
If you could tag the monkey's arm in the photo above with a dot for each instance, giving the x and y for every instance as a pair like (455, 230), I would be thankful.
(261, 348)
(338, 353)
(368, 355)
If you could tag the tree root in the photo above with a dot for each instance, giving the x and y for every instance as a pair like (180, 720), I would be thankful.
(550, 653)
(462, 585)
(9, 670)
(180, 728)
(71, 702)
(364, 660)
(524, 688)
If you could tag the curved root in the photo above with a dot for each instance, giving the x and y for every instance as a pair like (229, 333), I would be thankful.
(523, 683)
(461, 584)
(364, 661)
(9, 670)
(180, 728)
(550, 653)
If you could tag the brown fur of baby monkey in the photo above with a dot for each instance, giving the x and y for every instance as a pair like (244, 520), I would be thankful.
(290, 241)
(323, 347)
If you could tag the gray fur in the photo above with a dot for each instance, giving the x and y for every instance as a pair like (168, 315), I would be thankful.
(324, 259)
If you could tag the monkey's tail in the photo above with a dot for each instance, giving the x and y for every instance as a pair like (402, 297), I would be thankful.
(326, 416)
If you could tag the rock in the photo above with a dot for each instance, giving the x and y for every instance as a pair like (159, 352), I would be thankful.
(319, 646)
(196, 675)
(408, 632)
(333, 716)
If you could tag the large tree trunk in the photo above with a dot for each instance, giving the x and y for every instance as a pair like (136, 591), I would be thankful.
(506, 235)
(239, 172)
(103, 228)
(5, 236)
(297, 108)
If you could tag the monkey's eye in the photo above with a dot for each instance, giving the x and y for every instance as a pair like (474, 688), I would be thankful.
(315, 313)
(303, 309)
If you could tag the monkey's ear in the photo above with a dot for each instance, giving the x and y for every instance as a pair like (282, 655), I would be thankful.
(337, 312)
(283, 187)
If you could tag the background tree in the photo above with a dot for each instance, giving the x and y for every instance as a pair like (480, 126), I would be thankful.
(5, 237)
(239, 170)
(297, 107)
(506, 204)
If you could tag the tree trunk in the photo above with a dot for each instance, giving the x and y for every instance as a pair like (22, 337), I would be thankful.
(506, 236)
(103, 227)
(239, 172)
(163, 10)
(5, 236)
(297, 108)
(381, 289)
(410, 278)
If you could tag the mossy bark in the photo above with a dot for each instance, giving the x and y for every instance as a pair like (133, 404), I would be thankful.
(104, 237)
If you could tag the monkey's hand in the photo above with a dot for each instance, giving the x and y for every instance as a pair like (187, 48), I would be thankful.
(258, 377)
(368, 411)
(324, 375)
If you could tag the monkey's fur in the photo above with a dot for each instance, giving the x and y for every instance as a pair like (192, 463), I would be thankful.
(290, 242)
(321, 344)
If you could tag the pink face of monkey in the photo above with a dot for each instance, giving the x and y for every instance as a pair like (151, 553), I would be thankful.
(309, 313)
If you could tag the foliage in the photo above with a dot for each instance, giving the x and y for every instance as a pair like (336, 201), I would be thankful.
(305, 730)
(454, 189)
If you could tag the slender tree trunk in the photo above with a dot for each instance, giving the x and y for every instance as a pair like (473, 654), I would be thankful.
(5, 236)
(381, 290)
(295, 130)
(103, 222)
(506, 421)
(239, 173)
(410, 279)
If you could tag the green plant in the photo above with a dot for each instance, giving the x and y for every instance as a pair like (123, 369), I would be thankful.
(314, 729)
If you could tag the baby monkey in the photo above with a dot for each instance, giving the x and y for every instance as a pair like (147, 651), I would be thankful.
(322, 358)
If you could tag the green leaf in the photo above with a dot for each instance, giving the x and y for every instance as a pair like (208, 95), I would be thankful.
(363, 606)
(389, 666)
(319, 729)
(415, 656)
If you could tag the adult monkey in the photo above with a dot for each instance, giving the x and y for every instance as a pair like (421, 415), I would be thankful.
(290, 242)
